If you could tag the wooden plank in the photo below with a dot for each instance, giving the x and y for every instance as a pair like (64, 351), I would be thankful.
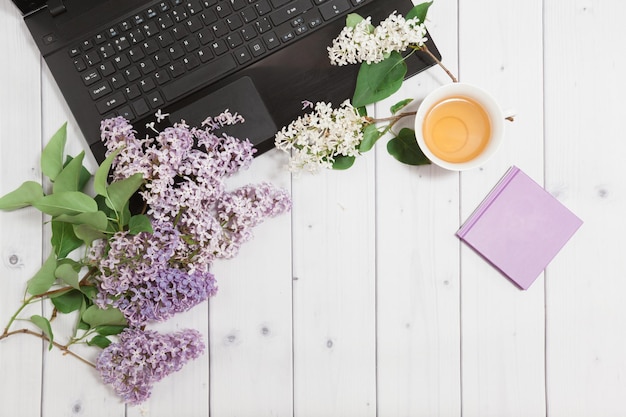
(418, 331)
(82, 391)
(20, 246)
(250, 317)
(585, 151)
(502, 327)
(334, 292)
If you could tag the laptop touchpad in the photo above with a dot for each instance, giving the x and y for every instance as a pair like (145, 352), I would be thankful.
(240, 96)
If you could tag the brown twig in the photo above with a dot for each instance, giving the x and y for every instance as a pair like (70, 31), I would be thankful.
(434, 58)
(61, 347)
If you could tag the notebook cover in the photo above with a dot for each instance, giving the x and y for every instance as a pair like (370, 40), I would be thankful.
(519, 227)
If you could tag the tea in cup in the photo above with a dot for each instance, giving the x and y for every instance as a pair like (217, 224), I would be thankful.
(459, 126)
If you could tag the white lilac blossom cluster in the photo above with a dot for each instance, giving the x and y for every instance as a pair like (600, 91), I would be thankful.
(142, 357)
(319, 137)
(366, 43)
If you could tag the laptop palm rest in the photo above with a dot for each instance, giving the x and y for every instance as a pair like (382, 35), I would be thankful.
(240, 96)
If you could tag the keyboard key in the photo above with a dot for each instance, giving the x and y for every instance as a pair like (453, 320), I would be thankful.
(191, 62)
(79, 64)
(100, 38)
(248, 33)
(106, 51)
(161, 77)
(91, 77)
(75, 51)
(136, 36)
(91, 58)
(150, 46)
(242, 55)
(150, 28)
(179, 32)
(106, 68)
(204, 54)
(100, 90)
(271, 40)
(219, 47)
(147, 85)
(132, 91)
(121, 43)
(334, 8)
(234, 40)
(165, 39)
(132, 73)
(87, 45)
(248, 15)
(151, 13)
(263, 25)
(193, 24)
(161, 58)
(175, 51)
(140, 107)
(163, 6)
(238, 4)
(208, 17)
(136, 54)
(202, 76)
(291, 11)
(165, 22)
(110, 103)
(176, 69)
(191, 44)
(117, 81)
(147, 66)
(223, 9)
(257, 48)
(193, 6)
(126, 113)
(263, 7)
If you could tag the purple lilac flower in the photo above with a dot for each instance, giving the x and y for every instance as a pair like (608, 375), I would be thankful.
(139, 276)
(143, 357)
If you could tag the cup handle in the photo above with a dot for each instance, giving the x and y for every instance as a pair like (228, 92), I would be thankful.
(509, 114)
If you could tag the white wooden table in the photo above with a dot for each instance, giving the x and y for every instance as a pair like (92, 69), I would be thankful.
(362, 302)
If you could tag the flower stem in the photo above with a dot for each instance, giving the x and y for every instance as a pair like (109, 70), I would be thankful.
(434, 58)
(14, 316)
(61, 347)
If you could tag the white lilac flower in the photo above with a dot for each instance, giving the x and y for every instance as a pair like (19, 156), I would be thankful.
(366, 43)
(317, 138)
(143, 357)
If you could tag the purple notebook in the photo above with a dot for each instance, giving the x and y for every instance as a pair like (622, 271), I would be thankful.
(519, 227)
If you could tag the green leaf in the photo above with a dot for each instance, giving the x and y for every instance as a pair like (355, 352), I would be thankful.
(343, 162)
(98, 220)
(66, 202)
(88, 233)
(102, 173)
(405, 149)
(119, 192)
(67, 274)
(64, 240)
(139, 223)
(100, 341)
(419, 11)
(110, 330)
(378, 81)
(45, 327)
(25, 195)
(370, 135)
(399, 105)
(89, 291)
(52, 154)
(69, 179)
(95, 316)
(68, 301)
(353, 19)
(44, 278)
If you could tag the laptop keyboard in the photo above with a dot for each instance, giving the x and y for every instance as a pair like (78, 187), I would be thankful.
(152, 58)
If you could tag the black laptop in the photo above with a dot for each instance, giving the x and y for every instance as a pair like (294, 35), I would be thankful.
(196, 58)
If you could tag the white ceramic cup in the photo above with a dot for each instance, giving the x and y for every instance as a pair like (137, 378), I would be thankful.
(491, 108)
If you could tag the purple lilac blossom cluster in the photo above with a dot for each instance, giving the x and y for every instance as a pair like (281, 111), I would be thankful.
(151, 276)
(185, 169)
(142, 357)
(137, 275)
